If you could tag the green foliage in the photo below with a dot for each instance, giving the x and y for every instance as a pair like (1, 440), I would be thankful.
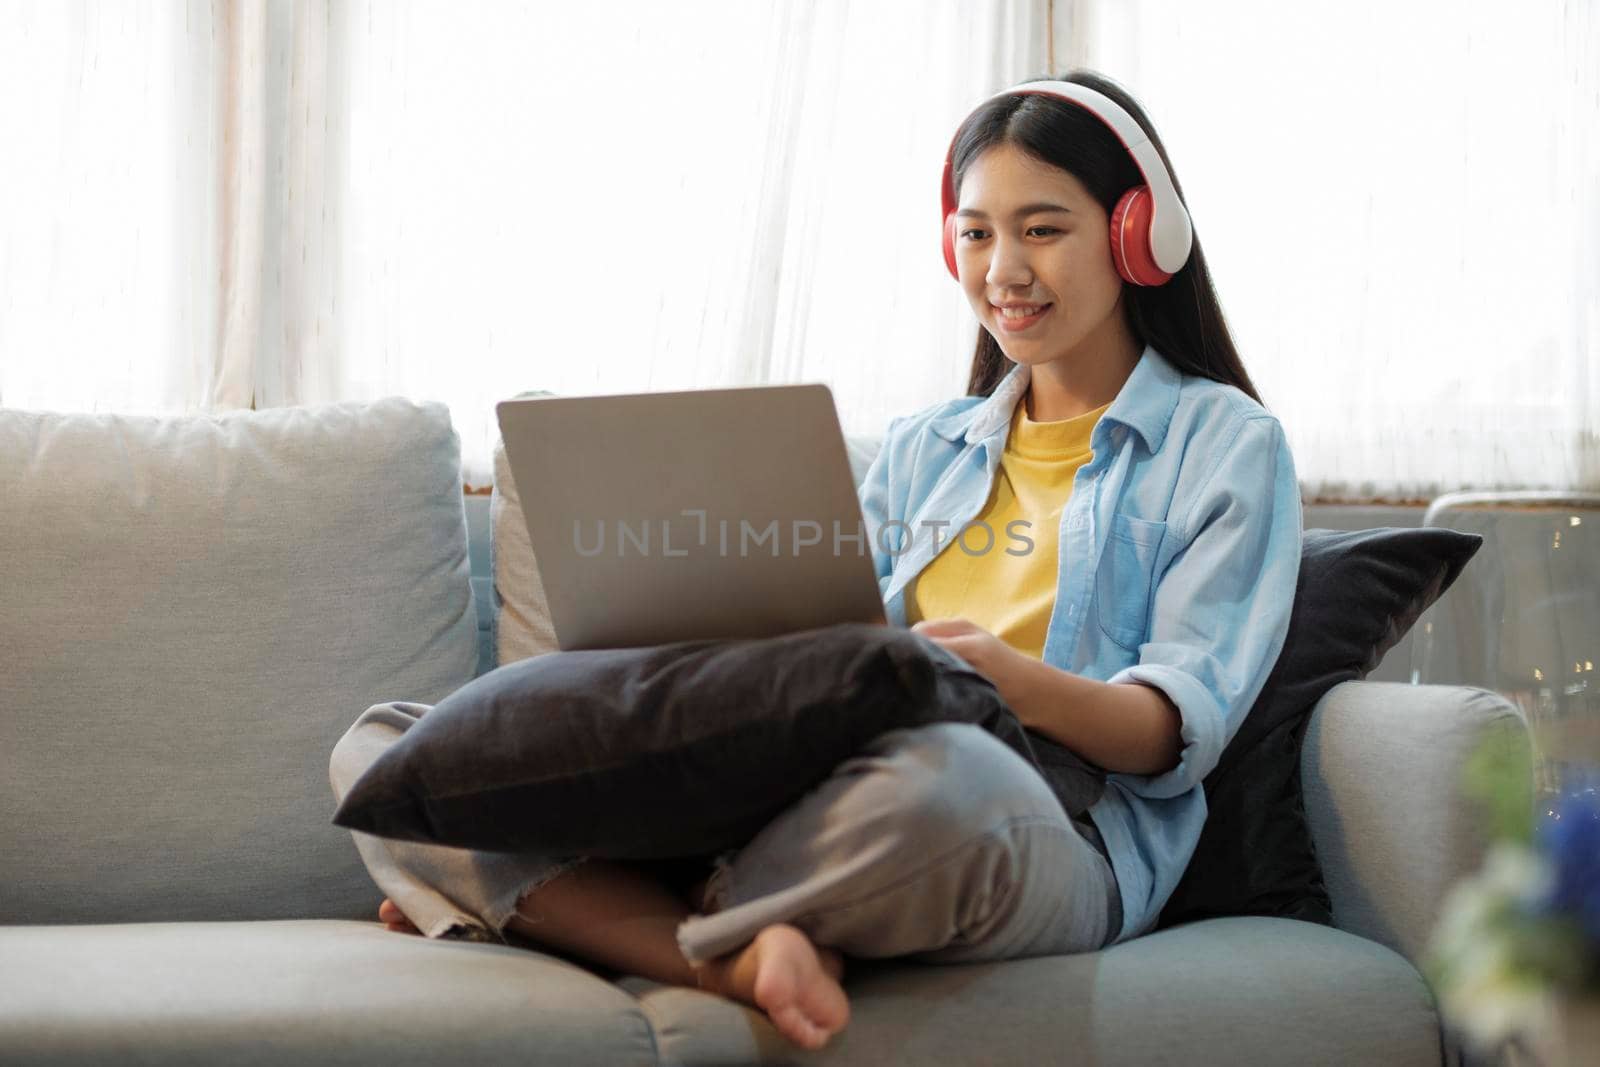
(1499, 778)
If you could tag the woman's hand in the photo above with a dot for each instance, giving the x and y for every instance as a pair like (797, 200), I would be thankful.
(1130, 728)
(989, 656)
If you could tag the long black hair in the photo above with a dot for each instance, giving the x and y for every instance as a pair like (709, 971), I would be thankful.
(1181, 319)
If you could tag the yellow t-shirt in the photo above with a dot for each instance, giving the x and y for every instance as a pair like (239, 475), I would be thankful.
(1010, 589)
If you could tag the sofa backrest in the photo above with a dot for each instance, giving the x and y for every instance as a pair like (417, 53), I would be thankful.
(192, 612)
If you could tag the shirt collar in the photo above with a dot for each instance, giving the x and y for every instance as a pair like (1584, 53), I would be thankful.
(1144, 404)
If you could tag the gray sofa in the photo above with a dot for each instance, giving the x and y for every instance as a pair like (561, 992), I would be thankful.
(193, 610)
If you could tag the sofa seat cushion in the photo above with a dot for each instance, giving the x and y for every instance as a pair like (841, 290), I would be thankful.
(1237, 990)
(298, 992)
(1233, 990)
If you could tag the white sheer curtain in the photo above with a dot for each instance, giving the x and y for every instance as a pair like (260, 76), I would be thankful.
(162, 222)
(263, 203)
(96, 192)
(1400, 203)
(463, 201)
(605, 198)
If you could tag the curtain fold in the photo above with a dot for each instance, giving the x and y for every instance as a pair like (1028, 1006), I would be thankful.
(276, 167)
(240, 159)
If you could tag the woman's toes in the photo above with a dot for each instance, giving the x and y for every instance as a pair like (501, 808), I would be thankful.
(794, 1025)
(392, 917)
(796, 990)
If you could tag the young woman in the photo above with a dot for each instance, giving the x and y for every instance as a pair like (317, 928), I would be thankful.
(1107, 526)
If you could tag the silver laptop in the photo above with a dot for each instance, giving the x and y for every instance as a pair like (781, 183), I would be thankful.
(721, 513)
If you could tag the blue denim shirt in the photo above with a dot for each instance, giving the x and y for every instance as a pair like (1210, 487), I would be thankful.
(1179, 553)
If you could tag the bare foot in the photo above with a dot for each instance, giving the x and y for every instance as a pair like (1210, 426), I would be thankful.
(793, 981)
(395, 919)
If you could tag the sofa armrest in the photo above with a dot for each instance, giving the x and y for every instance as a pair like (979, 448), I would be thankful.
(1382, 770)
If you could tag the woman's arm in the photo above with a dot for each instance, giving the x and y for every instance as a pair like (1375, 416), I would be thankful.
(1128, 728)
(1218, 620)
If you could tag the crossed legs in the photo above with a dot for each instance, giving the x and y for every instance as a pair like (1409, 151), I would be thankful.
(938, 843)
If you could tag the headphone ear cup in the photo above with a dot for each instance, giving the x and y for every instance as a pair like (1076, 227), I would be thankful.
(950, 244)
(1130, 238)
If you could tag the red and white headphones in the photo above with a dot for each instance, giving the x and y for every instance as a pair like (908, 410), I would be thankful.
(1150, 230)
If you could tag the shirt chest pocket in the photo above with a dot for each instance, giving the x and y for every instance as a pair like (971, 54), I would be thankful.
(1123, 584)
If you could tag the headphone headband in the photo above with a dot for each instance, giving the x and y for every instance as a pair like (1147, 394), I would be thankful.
(1171, 233)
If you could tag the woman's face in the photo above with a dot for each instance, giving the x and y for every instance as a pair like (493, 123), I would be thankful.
(1030, 238)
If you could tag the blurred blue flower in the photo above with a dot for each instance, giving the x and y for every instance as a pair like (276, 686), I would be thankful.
(1571, 840)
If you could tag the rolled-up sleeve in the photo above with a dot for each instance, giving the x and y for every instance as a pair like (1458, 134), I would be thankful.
(1221, 608)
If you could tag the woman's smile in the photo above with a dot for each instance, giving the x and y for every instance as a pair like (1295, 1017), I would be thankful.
(1019, 317)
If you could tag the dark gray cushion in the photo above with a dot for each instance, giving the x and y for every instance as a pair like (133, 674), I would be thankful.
(1358, 594)
(673, 750)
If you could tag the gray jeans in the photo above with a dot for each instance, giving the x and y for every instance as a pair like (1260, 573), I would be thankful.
(937, 842)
